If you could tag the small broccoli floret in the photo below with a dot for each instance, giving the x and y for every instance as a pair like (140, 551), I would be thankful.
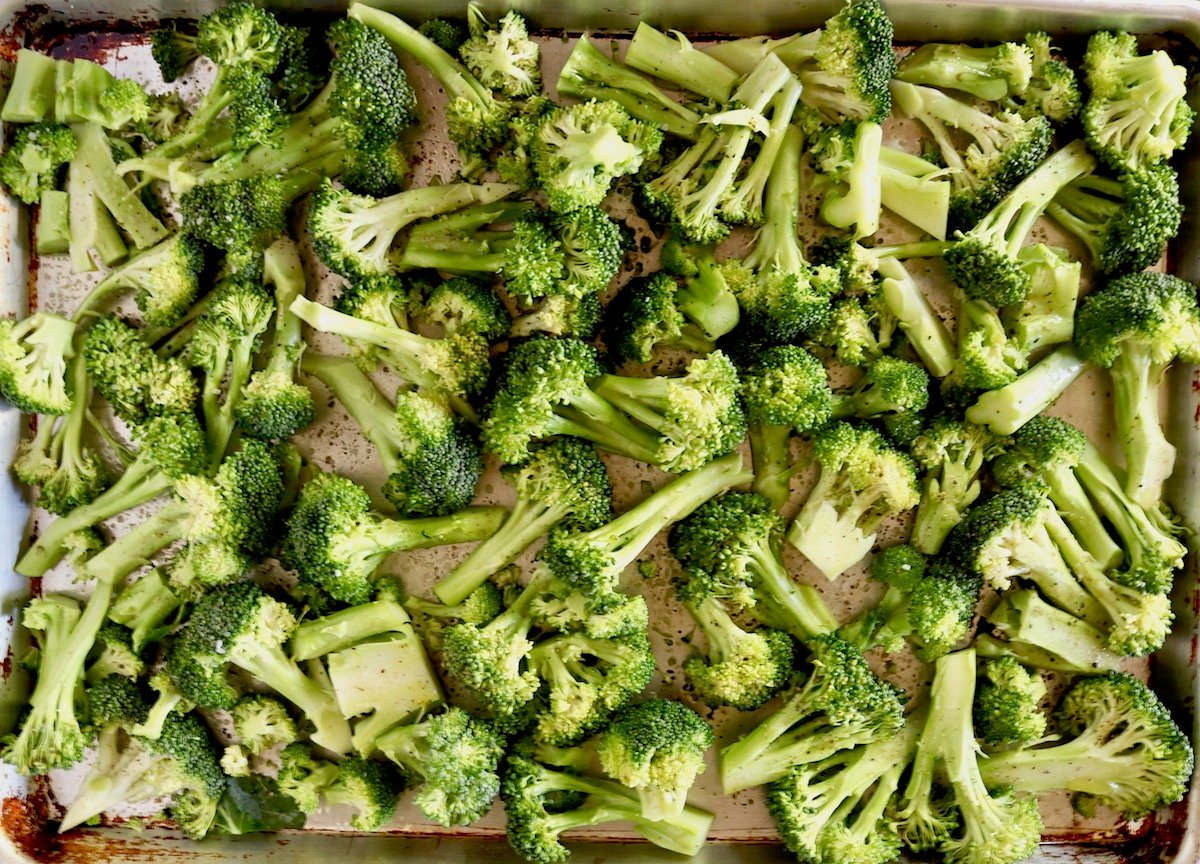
(113, 654)
(172, 50)
(654, 311)
(729, 547)
(848, 155)
(591, 74)
(371, 788)
(1035, 633)
(478, 120)
(466, 305)
(453, 759)
(982, 826)
(833, 811)
(656, 747)
(1006, 711)
(1049, 448)
(383, 300)
(863, 479)
(991, 73)
(593, 561)
(502, 56)
(889, 386)
(1136, 327)
(1125, 222)
(951, 454)
(239, 217)
(1006, 410)
(31, 161)
(559, 315)
(858, 330)
(983, 262)
(335, 541)
(445, 33)
(1003, 148)
(1053, 89)
(274, 405)
(1124, 749)
(1046, 315)
(165, 280)
(562, 483)
(838, 705)
(742, 668)
(432, 458)
(262, 723)
(786, 391)
(1136, 114)
(135, 381)
(304, 777)
(454, 365)
(545, 797)
(181, 763)
(34, 359)
(580, 150)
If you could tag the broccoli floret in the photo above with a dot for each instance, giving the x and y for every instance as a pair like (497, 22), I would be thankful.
(545, 797)
(383, 300)
(889, 386)
(31, 161)
(165, 280)
(454, 761)
(113, 654)
(1136, 114)
(591, 74)
(1124, 749)
(372, 789)
(562, 483)
(303, 777)
(1003, 148)
(1124, 222)
(182, 763)
(833, 811)
(240, 217)
(466, 305)
(262, 723)
(593, 246)
(786, 391)
(35, 356)
(172, 50)
(432, 619)
(478, 120)
(1046, 316)
(135, 381)
(238, 625)
(235, 761)
(988, 358)
(646, 315)
(980, 822)
(742, 668)
(848, 155)
(983, 262)
(863, 479)
(593, 561)
(858, 331)
(559, 315)
(656, 747)
(951, 454)
(455, 365)
(1006, 711)
(992, 73)
(838, 705)
(274, 405)
(502, 56)
(729, 548)
(445, 33)
(1053, 89)
(432, 457)
(1007, 409)
(1135, 327)
(1049, 448)
(335, 541)
(1030, 630)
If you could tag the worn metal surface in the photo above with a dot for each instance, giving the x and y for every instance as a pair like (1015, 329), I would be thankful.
(742, 825)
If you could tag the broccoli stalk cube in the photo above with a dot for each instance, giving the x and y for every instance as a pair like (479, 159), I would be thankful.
(31, 94)
(915, 316)
(52, 236)
(915, 190)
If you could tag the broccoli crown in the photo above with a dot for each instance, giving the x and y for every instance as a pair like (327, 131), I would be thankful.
(115, 700)
(240, 33)
(274, 406)
(33, 362)
(533, 260)
(1006, 710)
(787, 386)
(1125, 222)
(1136, 113)
(30, 163)
(329, 506)
(559, 315)
(656, 747)
(240, 217)
(304, 777)
(864, 468)
(262, 723)
(379, 299)
(644, 315)
(1152, 315)
(372, 788)
(187, 746)
(985, 540)
(565, 474)
(739, 668)
(369, 91)
(566, 609)
(782, 304)
(1043, 444)
(467, 305)
(889, 386)
(137, 383)
(724, 542)
(172, 51)
(854, 63)
(165, 279)
(580, 150)
(174, 444)
(112, 654)
(941, 608)
(502, 57)
(441, 463)
(901, 567)
(447, 35)
(453, 759)
(593, 246)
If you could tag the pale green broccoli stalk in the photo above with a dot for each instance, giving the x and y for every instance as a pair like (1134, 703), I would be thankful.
(1046, 315)
(672, 58)
(991, 73)
(1007, 409)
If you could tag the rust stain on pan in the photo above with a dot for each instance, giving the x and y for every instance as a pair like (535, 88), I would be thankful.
(23, 821)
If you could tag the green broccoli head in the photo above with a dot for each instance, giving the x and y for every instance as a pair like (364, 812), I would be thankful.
(34, 355)
(466, 305)
(30, 163)
(787, 386)
(1007, 711)
(262, 723)
(593, 246)
(854, 61)
(172, 50)
(438, 472)
(738, 667)
(135, 381)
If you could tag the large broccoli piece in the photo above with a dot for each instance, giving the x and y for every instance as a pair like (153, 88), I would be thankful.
(502, 56)
(837, 705)
(1007, 709)
(863, 480)
(991, 72)
(165, 280)
(371, 788)
(1136, 327)
(35, 355)
(656, 311)
(738, 667)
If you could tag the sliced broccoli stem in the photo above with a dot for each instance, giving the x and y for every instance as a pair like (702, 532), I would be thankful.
(1045, 636)
(776, 244)
(1149, 456)
(744, 200)
(1085, 207)
(344, 628)
(94, 154)
(1007, 409)
(594, 418)
(675, 60)
(1072, 502)
(127, 780)
(591, 74)
(707, 301)
(370, 410)
(130, 552)
(270, 665)
(283, 269)
(770, 453)
(915, 190)
(795, 609)
(398, 535)
(1087, 764)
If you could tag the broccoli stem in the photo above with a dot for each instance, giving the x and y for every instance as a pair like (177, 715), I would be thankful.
(1149, 456)
(744, 200)
(1071, 500)
(674, 59)
(742, 55)
(398, 535)
(776, 244)
(915, 315)
(887, 616)
(144, 605)
(130, 552)
(129, 779)
(283, 269)
(217, 98)
(346, 627)
(460, 242)
(94, 157)
(1007, 409)
(591, 74)
(707, 301)
(795, 609)
(770, 453)
(270, 665)
(1036, 631)
(915, 190)
(594, 418)
(1087, 764)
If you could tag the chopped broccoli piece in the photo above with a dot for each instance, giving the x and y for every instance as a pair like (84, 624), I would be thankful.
(262, 723)
(992, 73)
(502, 56)
(1006, 711)
(30, 163)
(742, 668)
